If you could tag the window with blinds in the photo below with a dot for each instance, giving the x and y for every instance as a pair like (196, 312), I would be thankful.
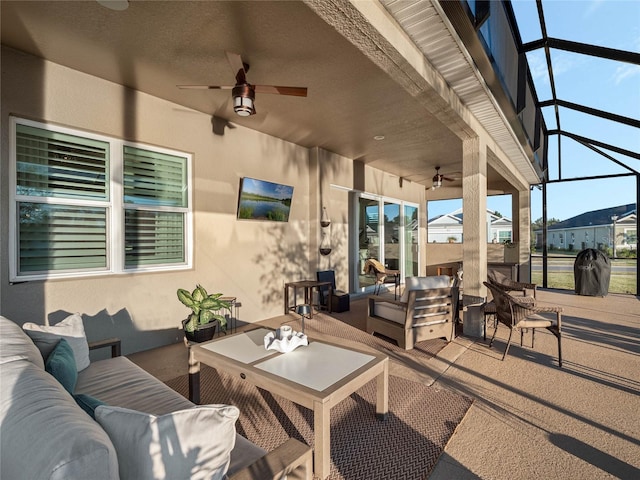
(153, 179)
(71, 218)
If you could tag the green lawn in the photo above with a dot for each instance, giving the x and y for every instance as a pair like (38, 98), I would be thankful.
(564, 278)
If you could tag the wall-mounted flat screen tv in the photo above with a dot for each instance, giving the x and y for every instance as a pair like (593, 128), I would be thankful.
(260, 200)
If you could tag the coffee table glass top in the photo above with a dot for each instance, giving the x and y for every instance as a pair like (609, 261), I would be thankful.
(316, 366)
(247, 347)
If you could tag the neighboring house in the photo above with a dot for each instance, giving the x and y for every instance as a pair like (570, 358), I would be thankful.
(448, 228)
(594, 229)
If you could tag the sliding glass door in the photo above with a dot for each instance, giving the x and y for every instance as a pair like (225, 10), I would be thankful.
(387, 232)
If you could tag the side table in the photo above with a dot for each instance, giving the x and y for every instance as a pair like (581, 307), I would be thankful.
(307, 286)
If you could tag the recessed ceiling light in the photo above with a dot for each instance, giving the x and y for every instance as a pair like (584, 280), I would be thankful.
(379, 137)
(118, 5)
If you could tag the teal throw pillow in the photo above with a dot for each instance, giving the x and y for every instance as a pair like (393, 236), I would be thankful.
(62, 365)
(88, 403)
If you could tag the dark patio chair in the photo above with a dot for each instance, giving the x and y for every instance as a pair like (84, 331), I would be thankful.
(520, 314)
(339, 299)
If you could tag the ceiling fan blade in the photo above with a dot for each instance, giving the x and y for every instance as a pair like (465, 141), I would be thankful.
(293, 91)
(238, 67)
(448, 179)
(206, 87)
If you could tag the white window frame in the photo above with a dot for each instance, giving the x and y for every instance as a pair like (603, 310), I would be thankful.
(114, 207)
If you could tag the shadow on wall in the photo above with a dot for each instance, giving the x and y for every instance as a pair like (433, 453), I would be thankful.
(279, 266)
(102, 325)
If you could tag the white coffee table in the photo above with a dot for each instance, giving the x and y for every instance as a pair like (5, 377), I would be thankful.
(317, 376)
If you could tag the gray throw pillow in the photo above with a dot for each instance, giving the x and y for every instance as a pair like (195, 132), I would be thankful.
(46, 338)
(191, 444)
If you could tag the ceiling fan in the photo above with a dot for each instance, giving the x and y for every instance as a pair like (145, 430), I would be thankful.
(439, 177)
(244, 93)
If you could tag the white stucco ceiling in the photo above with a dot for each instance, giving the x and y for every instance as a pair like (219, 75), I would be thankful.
(352, 97)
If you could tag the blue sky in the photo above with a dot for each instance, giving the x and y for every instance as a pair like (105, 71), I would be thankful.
(268, 189)
(597, 83)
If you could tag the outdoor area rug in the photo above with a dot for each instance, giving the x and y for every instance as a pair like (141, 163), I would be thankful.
(328, 325)
(405, 446)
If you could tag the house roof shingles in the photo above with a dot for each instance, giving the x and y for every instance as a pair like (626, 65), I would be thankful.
(595, 217)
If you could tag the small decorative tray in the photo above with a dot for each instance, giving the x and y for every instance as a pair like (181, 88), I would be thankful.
(286, 344)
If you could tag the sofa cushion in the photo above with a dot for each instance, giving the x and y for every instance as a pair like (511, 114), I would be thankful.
(188, 444)
(71, 329)
(45, 435)
(120, 382)
(424, 283)
(16, 345)
(62, 365)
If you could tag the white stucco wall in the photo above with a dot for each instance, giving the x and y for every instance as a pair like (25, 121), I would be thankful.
(250, 260)
(247, 259)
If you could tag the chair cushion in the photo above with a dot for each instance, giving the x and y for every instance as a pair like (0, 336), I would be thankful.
(62, 365)
(543, 320)
(374, 264)
(46, 338)
(424, 283)
(195, 443)
(390, 311)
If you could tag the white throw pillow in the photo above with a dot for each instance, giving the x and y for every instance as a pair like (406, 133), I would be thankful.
(46, 337)
(423, 283)
(187, 444)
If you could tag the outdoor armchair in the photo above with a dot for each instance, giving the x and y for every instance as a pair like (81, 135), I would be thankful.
(522, 314)
(427, 310)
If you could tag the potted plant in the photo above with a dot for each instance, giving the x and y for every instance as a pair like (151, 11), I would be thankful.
(200, 326)
(511, 253)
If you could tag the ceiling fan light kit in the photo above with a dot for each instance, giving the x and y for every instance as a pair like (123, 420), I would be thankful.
(243, 98)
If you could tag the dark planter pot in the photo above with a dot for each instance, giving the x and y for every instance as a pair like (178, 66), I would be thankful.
(202, 333)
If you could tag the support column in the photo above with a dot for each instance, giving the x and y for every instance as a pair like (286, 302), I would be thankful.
(522, 225)
(474, 229)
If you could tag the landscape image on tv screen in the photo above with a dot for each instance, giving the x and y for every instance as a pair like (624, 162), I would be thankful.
(260, 200)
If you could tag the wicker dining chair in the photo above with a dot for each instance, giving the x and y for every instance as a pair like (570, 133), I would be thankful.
(505, 284)
(523, 315)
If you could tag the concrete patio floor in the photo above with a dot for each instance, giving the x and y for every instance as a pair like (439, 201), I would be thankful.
(530, 419)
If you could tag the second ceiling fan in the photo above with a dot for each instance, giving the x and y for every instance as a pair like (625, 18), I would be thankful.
(439, 177)
(244, 93)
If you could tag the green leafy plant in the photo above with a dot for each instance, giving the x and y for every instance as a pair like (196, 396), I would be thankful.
(205, 307)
